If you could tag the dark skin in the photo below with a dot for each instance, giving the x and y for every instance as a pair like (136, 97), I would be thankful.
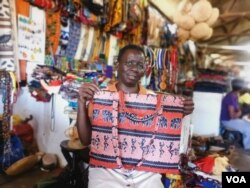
(130, 71)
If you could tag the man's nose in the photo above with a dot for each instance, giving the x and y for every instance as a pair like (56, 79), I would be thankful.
(135, 68)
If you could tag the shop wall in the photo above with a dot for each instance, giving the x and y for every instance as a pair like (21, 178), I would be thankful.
(48, 137)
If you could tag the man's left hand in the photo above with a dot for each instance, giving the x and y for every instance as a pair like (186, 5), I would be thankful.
(188, 105)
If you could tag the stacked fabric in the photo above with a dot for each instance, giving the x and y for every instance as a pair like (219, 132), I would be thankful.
(211, 81)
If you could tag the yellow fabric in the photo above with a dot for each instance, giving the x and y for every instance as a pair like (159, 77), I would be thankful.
(175, 180)
(22, 165)
(244, 99)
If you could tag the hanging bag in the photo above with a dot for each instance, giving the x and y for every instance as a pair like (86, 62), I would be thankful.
(135, 131)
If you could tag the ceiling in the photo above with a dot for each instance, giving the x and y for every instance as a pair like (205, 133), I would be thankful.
(230, 32)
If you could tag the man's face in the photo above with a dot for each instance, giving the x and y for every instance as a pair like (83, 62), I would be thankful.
(131, 67)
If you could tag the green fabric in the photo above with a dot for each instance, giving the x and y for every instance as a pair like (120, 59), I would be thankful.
(47, 183)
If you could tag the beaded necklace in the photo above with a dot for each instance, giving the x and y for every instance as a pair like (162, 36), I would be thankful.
(115, 135)
(5, 84)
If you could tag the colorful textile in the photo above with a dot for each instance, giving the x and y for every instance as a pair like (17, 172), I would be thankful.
(74, 37)
(23, 8)
(6, 38)
(53, 31)
(136, 132)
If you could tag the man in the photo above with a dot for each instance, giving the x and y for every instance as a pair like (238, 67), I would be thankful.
(131, 68)
(230, 116)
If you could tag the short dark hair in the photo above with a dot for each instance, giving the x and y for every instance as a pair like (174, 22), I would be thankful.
(129, 47)
(238, 84)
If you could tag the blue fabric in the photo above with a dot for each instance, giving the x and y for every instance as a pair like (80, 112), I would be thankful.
(241, 125)
(12, 152)
(210, 184)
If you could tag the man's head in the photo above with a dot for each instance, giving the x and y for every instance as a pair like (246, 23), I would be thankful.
(238, 84)
(131, 65)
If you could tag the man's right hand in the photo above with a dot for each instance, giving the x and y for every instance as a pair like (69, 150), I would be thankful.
(87, 91)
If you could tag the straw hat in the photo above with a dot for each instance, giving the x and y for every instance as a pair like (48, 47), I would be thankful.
(200, 31)
(201, 10)
(184, 20)
(214, 16)
(182, 34)
(210, 33)
(184, 6)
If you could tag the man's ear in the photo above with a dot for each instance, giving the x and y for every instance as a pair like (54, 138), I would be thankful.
(116, 65)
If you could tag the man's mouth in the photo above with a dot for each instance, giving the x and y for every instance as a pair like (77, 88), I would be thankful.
(132, 77)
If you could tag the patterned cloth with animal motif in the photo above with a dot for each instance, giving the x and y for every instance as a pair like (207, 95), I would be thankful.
(136, 131)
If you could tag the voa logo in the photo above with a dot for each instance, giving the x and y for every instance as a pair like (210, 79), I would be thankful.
(236, 179)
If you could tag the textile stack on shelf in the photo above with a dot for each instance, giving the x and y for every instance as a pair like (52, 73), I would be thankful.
(209, 80)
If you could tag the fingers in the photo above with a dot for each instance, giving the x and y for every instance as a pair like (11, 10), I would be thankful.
(87, 91)
(188, 105)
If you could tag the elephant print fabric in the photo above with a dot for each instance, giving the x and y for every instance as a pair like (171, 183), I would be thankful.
(6, 39)
(142, 131)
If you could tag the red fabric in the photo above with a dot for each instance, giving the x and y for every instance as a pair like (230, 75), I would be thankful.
(206, 164)
(24, 131)
(135, 131)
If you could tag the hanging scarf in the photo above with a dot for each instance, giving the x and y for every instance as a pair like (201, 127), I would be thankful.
(52, 31)
(6, 38)
(136, 132)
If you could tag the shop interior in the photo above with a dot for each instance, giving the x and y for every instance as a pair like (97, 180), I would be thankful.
(49, 48)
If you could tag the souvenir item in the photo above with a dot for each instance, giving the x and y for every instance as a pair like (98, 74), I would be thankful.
(136, 132)
(74, 36)
(64, 36)
(201, 10)
(22, 7)
(213, 18)
(6, 38)
(200, 31)
(52, 31)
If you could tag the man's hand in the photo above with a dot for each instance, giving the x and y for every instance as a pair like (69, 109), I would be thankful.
(188, 105)
(87, 91)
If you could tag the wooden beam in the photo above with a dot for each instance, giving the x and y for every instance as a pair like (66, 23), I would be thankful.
(230, 6)
(234, 14)
(226, 22)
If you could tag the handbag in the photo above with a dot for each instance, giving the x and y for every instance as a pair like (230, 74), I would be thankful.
(135, 131)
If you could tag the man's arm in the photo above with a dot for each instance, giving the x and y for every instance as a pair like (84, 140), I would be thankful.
(86, 93)
(83, 123)
(232, 113)
(188, 105)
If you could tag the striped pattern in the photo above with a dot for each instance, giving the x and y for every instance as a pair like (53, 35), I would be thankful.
(6, 38)
(140, 122)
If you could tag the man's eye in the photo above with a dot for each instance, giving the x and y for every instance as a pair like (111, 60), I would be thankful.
(140, 66)
(129, 63)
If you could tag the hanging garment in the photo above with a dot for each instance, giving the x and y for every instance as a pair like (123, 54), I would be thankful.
(23, 8)
(136, 132)
(53, 31)
(74, 36)
(6, 38)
